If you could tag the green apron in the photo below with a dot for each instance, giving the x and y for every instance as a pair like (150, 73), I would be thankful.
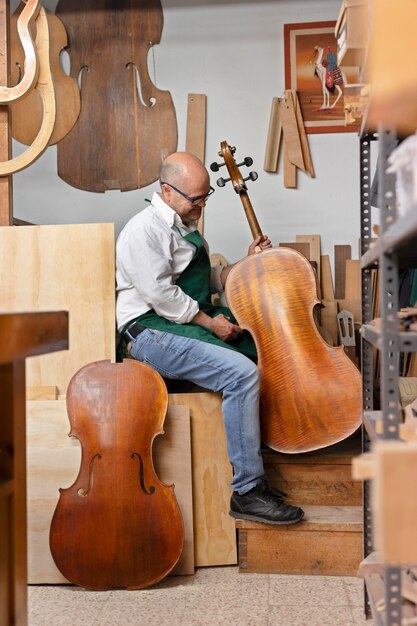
(195, 282)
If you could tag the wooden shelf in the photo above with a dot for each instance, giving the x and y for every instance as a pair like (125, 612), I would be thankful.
(373, 335)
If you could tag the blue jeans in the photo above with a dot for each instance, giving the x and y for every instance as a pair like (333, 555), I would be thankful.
(218, 369)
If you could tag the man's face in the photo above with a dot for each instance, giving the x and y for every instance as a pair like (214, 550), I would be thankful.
(195, 185)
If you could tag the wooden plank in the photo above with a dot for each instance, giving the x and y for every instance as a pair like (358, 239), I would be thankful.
(302, 247)
(290, 130)
(290, 171)
(6, 186)
(195, 139)
(214, 529)
(302, 133)
(328, 541)
(326, 281)
(353, 279)
(329, 320)
(394, 510)
(274, 138)
(65, 267)
(42, 393)
(341, 254)
(53, 461)
(315, 249)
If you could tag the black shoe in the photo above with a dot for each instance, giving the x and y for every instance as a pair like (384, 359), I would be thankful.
(264, 504)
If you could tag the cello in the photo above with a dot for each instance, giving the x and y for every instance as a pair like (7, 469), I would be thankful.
(117, 525)
(310, 394)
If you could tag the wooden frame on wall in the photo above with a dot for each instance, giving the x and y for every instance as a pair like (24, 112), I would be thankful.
(310, 52)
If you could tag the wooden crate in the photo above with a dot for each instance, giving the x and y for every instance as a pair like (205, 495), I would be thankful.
(317, 478)
(327, 542)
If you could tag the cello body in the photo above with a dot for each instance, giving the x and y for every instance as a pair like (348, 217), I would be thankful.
(310, 391)
(117, 526)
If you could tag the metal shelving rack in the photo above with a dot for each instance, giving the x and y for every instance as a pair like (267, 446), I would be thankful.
(395, 248)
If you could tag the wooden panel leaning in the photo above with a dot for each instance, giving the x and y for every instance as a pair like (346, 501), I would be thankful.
(69, 267)
(214, 529)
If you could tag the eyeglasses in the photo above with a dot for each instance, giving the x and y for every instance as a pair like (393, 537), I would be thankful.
(194, 201)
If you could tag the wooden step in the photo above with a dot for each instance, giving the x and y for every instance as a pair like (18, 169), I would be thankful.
(327, 542)
(323, 477)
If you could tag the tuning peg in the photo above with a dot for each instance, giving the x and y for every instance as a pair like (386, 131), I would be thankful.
(248, 161)
(216, 166)
(222, 181)
(252, 176)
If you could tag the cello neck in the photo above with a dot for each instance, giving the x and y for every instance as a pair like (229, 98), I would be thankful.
(250, 215)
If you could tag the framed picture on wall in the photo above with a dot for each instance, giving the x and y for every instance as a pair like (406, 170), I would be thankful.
(311, 69)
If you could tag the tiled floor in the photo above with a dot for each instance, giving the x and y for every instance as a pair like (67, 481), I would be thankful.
(215, 595)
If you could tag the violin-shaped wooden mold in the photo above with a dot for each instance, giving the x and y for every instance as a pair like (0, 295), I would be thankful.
(117, 526)
(126, 125)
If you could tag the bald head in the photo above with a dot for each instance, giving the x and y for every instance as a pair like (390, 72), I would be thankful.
(180, 167)
(183, 175)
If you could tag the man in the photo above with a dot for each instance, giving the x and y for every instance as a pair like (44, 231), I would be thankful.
(164, 312)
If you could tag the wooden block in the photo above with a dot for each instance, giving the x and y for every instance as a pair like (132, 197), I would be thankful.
(66, 267)
(321, 478)
(42, 393)
(195, 139)
(395, 510)
(327, 542)
(341, 254)
(315, 249)
(303, 248)
(53, 461)
(363, 466)
(326, 281)
(214, 528)
(274, 138)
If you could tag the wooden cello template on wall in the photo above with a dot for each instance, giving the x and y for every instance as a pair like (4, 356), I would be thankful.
(126, 125)
(117, 525)
(310, 391)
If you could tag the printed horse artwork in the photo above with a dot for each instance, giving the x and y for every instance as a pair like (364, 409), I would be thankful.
(329, 74)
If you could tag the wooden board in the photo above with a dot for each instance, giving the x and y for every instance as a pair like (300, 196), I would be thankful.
(66, 267)
(214, 528)
(329, 320)
(274, 138)
(341, 254)
(394, 508)
(195, 139)
(42, 393)
(302, 133)
(315, 249)
(303, 248)
(126, 125)
(53, 461)
(290, 171)
(290, 131)
(353, 279)
(327, 542)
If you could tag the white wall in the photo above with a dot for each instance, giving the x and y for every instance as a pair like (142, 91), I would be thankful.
(232, 51)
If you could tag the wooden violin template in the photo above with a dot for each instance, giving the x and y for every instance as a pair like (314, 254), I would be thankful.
(117, 525)
(310, 391)
(126, 126)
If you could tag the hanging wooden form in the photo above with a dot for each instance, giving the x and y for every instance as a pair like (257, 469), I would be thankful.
(28, 112)
(286, 119)
(126, 125)
(27, 16)
(195, 140)
(45, 88)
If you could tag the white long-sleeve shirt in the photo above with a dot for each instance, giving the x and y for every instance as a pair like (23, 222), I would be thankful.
(151, 253)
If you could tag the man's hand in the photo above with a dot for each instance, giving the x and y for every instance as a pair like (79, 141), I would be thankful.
(262, 242)
(224, 329)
